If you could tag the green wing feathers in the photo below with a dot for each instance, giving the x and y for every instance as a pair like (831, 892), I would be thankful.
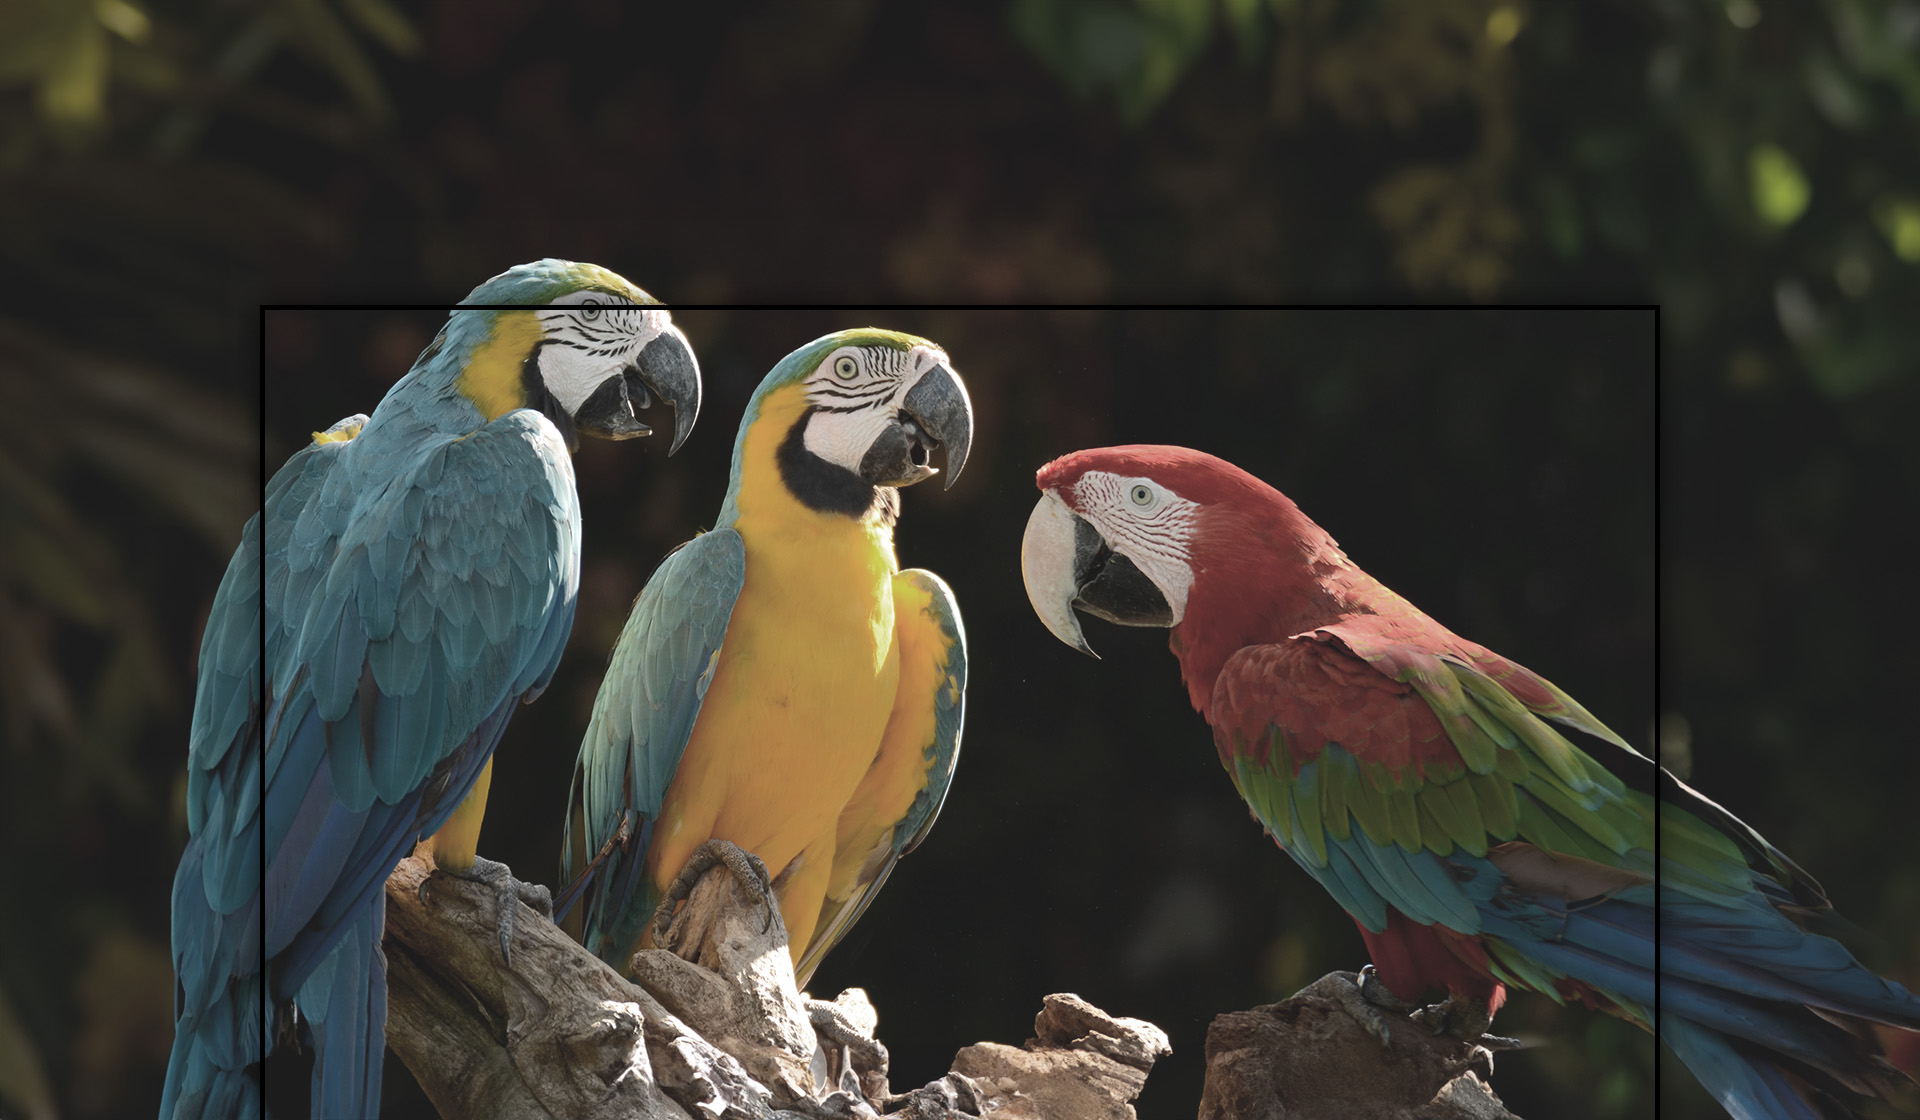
(1436, 752)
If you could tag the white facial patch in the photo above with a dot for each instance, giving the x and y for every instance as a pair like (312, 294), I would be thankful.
(591, 336)
(1148, 524)
(856, 392)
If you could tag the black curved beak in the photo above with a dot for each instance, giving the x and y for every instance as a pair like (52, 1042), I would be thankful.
(1067, 565)
(935, 414)
(667, 367)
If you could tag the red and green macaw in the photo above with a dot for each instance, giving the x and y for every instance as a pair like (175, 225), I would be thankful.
(1422, 780)
(413, 575)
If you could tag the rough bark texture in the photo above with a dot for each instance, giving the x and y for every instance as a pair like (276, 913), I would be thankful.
(726, 972)
(1308, 1058)
(1083, 1063)
(557, 1034)
(713, 1029)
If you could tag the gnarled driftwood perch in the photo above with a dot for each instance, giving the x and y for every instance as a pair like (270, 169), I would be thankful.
(713, 1029)
(1308, 1058)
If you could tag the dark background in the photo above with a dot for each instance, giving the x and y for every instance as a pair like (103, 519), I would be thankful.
(165, 168)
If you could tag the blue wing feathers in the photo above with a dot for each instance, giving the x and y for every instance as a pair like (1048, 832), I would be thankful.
(347, 1005)
(1753, 950)
(1349, 887)
(214, 921)
(415, 588)
(1749, 1090)
(642, 719)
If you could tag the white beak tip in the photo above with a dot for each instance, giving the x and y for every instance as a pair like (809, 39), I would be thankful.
(1046, 566)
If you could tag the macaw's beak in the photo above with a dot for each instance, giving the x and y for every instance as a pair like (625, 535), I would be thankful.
(1067, 565)
(935, 414)
(667, 367)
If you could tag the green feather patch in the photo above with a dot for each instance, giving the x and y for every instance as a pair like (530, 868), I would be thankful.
(1305, 799)
(1278, 756)
(1498, 810)
(1336, 770)
(1468, 830)
(1366, 801)
(1549, 829)
(1588, 818)
(1699, 859)
(1441, 689)
(1434, 836)
(1403, 819)
(1559, 755)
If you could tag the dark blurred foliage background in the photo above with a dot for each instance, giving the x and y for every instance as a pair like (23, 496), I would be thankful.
(1752, 167)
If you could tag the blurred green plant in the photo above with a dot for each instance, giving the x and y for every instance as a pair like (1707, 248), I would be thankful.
(1382, 65)
(107, 111)
(130, 464)
(188, 453)
(1789, 116)
(91, 669)
(73, 53)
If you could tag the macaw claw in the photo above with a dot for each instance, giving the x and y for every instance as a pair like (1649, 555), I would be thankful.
(1456, 1017)
(508, 891)
(1364, 998)
(853, 1049)
(1464, 1019)
(746, 868)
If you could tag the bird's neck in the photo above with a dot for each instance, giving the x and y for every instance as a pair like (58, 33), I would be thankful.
(472, 373)
(803, 504)
(494, 375)
(1260, 580)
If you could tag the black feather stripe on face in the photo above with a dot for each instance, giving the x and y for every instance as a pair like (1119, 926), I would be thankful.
(828, 487)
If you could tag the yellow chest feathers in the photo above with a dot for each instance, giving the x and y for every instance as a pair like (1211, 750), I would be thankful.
(825, 576)
(806, 679)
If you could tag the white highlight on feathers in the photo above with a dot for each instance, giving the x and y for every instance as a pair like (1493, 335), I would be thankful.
(1155, 534)
(588, 344)
(876, 393)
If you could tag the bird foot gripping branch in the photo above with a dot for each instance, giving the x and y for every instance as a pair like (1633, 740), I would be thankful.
(1329, 1051)
(746, 867)
(508, 893)
(1455, 1017)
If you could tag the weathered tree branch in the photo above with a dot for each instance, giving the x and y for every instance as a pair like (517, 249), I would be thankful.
(558, 1034)
(1309, 1058)
(713, 1029)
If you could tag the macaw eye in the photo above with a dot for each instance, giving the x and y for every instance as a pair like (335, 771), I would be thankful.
(844, 367)
(1142, 494)
(590, 309)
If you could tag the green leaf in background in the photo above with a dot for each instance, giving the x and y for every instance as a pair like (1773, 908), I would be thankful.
(1780, 190)
(1899, 219)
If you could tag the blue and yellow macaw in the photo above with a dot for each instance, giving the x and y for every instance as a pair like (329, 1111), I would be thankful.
(781, 685)
(420, 573)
